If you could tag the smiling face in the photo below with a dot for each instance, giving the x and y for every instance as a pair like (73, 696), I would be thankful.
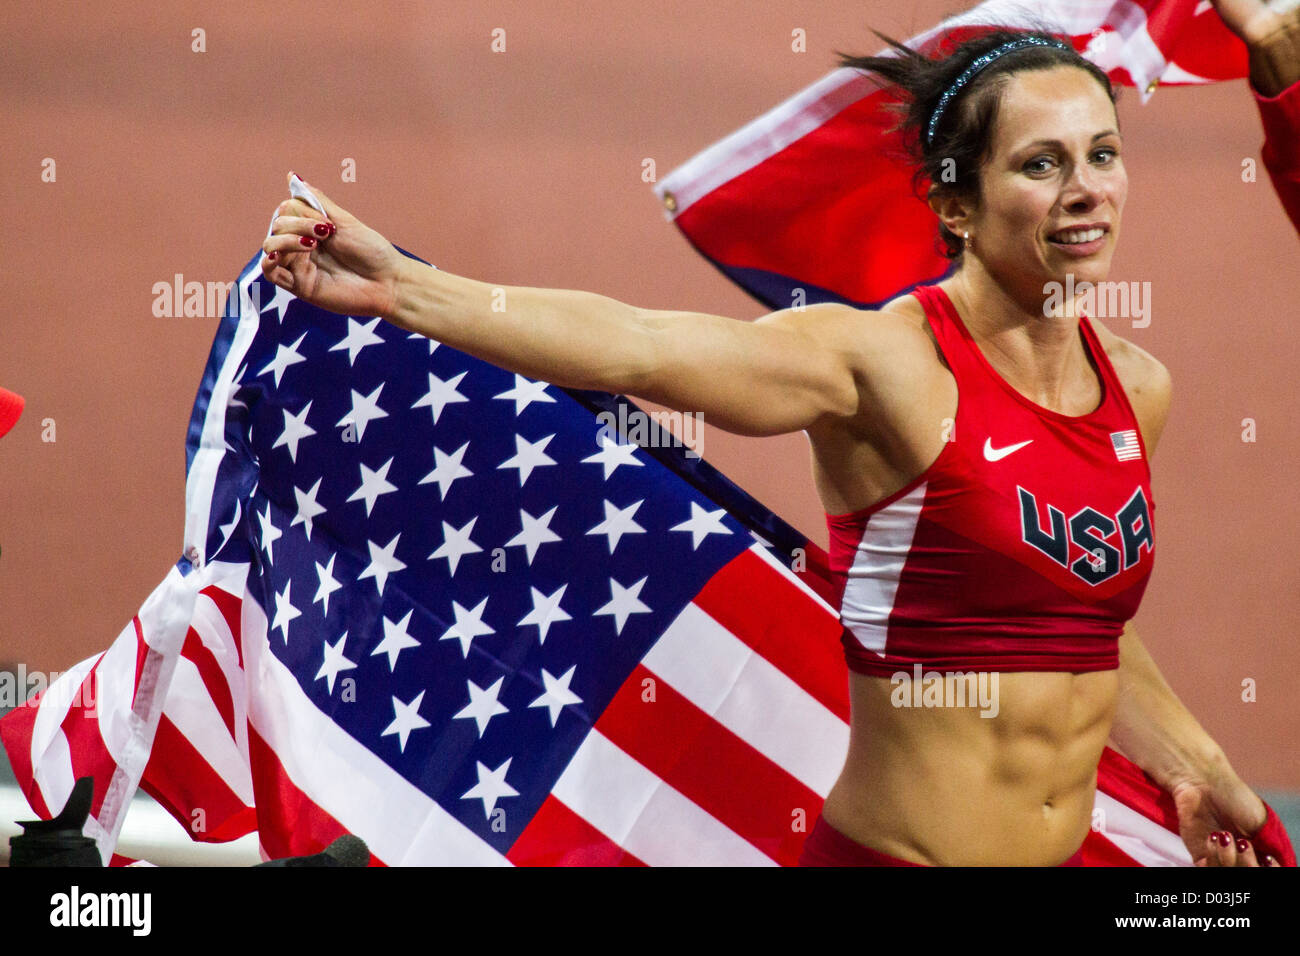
(1053, 185)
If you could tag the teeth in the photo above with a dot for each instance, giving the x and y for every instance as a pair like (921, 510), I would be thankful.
(1079, 235)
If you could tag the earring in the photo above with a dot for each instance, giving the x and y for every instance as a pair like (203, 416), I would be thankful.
(967, 243)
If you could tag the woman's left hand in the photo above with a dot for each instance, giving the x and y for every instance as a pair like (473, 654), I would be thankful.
(1216, 814)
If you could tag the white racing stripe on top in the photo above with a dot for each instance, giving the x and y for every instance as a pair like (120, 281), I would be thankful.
(877, 569)
(1142, 838)
(751, 697)
(400, 824)
(622, 799)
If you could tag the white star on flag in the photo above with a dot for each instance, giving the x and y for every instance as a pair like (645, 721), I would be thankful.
(546, 611)
(528, 455)
(483, 704)
(623, 603)
(270, 533)
(284, 357)
(383, 562)
(456, 543)
(469, 625)
(536, 532)
(525, 392)
(373, 484)
(614, 453)
(280, 301)
(334, 662)
(358, 337)
(308, 506)
(557, 696)
(441, 394)
(327, 585)
(446, 469)
(396, 639)
(618, 522)
(295, 430)
(405, 719)
(702, 523)
(284, 612)
(365, 409)
(491, 787)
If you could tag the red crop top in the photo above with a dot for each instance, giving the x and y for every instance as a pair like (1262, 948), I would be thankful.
(1025, 546)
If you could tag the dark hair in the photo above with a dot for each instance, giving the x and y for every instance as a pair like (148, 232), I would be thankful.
(964, 133)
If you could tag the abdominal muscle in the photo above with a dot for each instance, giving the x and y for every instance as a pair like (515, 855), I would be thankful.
(947, 787)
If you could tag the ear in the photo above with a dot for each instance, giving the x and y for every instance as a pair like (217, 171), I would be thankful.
(953, 211)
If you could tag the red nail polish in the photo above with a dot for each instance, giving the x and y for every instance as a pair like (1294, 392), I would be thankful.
(322, 229)
(307, 241)
(1242, 846)
(1225, 839)
(1268, 861)
(271, 256)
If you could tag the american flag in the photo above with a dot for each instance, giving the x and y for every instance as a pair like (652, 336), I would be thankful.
(432, 603)
(441, 606)
(1126, 444)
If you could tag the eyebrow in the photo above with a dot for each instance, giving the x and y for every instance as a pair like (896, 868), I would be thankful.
(1057, 142)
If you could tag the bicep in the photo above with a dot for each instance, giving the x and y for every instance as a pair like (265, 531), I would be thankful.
(780, 373)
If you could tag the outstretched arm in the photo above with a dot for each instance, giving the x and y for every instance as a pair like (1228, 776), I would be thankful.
(1273, 42)
(782, 373)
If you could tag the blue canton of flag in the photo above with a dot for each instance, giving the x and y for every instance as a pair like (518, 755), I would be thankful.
(459, 566)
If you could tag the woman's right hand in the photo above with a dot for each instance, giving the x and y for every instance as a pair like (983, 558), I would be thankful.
(351, 269)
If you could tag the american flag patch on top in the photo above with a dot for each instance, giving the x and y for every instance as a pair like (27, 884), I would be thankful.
(1126, 445)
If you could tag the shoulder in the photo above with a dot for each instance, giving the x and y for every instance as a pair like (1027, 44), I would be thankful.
(1145, 378)
(894, 329)
(893, 340)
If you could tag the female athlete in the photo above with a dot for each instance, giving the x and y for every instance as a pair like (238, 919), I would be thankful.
(980, 450)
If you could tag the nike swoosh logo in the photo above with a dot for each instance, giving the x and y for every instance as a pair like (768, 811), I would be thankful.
(997, 454)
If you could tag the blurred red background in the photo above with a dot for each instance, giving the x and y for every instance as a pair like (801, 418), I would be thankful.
(524, 168)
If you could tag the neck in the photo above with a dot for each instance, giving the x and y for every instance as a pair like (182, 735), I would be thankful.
(1039, 355)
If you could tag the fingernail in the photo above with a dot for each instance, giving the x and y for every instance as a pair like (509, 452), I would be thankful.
(322, 229)
(307, 241)
(1268, 861)
(1225, 839)
(270, 255)
(1242, 846)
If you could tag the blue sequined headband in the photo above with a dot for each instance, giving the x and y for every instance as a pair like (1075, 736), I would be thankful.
(978, 64)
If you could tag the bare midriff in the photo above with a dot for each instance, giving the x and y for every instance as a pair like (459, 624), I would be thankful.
(945, 786)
